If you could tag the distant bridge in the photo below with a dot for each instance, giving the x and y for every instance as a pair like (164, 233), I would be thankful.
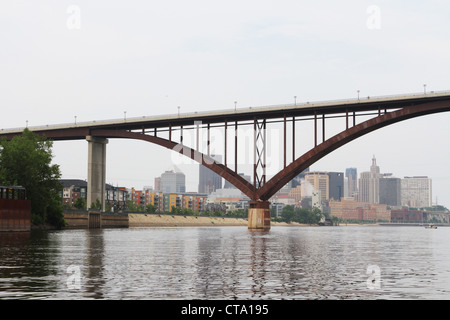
(382, 111)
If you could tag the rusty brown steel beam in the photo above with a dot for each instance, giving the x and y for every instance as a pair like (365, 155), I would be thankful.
(315, 129)
(235, 147)
(209, 141)
(56, 135)
(346, 119)
(284, 141)
(225, 143)
(323, 128)
(293, 138)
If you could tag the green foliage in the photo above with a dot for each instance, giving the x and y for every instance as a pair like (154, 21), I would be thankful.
(26, 161)
(240, 213)
(80, 203)
(132, 207)
(54, 213)
(290, 214)
(96, 205)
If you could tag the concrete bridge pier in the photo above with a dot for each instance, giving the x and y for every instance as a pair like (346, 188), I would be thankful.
(259, 215)
(96, 171)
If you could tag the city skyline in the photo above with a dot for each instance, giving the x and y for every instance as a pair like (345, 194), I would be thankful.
(387, 189)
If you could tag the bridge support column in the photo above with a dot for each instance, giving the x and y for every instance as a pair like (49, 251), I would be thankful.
(96, 171)
(259, 215)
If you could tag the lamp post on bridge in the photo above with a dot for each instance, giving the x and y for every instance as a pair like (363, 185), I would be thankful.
(295, 100)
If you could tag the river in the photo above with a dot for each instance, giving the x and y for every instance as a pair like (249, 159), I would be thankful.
(346, 262)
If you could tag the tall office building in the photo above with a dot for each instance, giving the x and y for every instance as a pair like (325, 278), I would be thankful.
(209, 181)
(352, 178)
(173, 182)
(158, 184)
(336, 185)
(330, 184)
(369, 184)
(319, 180)
(390, 191)
(416, 192)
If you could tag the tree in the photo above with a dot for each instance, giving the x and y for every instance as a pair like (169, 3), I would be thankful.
(133, 207)
(288, 213)
(150, 208)
(26, 160)
(80, 203)
(96, 205)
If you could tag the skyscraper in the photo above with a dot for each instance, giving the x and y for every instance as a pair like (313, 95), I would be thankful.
(173, 182)
(416, 192)
(209, 181)
(390, 191)
(352, 178)
(336, 185)
(320, 181)
(158, 184)
(369, 184)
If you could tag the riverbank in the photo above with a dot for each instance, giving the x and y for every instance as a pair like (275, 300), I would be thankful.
(167, 220)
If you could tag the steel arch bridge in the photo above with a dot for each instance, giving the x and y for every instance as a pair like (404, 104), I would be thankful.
(167, 131)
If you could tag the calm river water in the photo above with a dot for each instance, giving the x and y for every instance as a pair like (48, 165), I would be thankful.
(346, 262)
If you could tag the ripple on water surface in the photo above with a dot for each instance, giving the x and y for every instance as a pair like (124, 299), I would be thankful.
(227, 263)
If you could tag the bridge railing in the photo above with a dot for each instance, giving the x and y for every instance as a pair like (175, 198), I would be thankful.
(360, 99)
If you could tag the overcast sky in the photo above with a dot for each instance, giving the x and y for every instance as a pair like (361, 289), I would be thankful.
(94, 60)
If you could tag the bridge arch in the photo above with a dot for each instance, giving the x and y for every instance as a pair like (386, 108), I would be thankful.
(342, 138)
(238, 181)
(300, 164)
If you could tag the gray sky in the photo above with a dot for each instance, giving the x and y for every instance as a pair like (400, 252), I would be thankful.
(96, 59)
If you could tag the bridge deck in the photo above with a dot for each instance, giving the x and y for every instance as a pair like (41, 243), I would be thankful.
(242, 114)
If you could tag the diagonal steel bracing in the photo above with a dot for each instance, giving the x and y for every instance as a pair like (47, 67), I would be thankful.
(259, 167)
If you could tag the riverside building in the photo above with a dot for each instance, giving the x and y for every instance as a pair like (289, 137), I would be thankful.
(416, 191)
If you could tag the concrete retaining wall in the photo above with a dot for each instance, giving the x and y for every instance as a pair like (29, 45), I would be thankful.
(80, 220)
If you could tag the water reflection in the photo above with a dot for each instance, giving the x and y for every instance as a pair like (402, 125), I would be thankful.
(226, 263)
(95, 273)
